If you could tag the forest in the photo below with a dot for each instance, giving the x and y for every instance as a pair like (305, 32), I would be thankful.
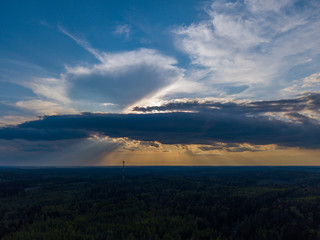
(222, 203)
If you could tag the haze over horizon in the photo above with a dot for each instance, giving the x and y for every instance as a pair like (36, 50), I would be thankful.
(160, 83)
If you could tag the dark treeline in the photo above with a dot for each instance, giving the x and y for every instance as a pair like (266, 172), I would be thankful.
(160, 203)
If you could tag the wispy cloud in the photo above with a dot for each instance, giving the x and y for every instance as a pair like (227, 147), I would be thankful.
(252, 43)
(124, 30)
(51, 88)
(83, 43)
(45, 107)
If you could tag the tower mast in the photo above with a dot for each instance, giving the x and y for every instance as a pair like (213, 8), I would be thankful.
(123, 170)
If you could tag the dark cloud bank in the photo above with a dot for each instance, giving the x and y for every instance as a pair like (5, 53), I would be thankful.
(309, 101)
(210, 122)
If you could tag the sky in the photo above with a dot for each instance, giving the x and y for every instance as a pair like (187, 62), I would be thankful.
(179, 82)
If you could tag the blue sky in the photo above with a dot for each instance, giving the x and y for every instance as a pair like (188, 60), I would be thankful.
(127, 57)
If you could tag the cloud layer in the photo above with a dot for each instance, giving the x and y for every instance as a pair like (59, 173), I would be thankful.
(207, 123)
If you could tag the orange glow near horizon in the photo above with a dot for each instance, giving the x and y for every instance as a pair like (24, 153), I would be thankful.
(172, 155)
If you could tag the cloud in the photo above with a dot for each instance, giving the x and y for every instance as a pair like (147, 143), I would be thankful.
(120, 79)
(305, 102)
(309, 83)
(83, 43)
(232, 147)
(252, 43)
(123, 78)
(271, 5)
(312, 80)
(207, 124)
(36, 134)
(44, 107)
(123, 30)
(10, 120)
(51, 88)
